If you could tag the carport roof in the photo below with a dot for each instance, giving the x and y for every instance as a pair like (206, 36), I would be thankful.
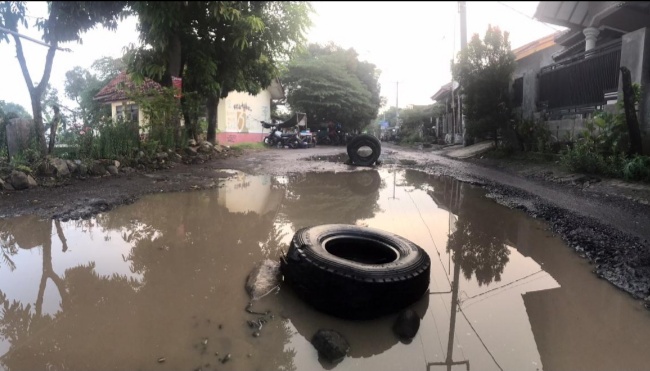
(622, 16)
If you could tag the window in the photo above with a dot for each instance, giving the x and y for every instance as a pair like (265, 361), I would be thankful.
(119, 112)
(518, 92)
(133, 113)
(127, 112)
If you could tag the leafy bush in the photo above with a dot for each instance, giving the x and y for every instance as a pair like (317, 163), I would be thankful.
(607, 133)
(533, 136)
(24, 168)
(637, 168)
(116, 140)
(583, 158)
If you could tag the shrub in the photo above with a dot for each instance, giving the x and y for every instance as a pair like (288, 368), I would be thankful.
(583, 158)
(637, 168)
(116, 139)
(163, 114)
(533, 136)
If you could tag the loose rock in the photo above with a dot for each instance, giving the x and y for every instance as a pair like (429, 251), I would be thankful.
(331, 345)
(19, 180)
(112, 170)
(72, 167)
(61, 167)
(264, 277)
(406, 325)
(97, 169)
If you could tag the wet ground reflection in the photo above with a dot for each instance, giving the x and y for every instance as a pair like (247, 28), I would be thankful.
(160, 284)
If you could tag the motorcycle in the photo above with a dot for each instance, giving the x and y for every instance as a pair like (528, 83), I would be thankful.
(339, 137)
(277, 139)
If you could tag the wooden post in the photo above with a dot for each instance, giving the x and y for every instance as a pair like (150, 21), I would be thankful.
(636, 147)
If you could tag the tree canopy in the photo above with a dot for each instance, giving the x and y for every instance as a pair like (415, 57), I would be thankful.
(81, 85)
(216, 46)
(484, 70)
(330, 83)
(67, 21)
(15, 108)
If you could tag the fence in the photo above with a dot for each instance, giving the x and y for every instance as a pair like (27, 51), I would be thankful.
(581, 80)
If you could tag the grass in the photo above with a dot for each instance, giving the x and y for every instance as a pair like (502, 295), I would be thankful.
(254, 145)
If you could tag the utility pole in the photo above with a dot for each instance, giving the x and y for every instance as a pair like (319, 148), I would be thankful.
(462, 8)
(397, 104)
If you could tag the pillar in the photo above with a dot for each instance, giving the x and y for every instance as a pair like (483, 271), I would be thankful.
(591, 34)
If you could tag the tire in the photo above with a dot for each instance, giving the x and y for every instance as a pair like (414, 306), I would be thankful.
(366, 273)
(364, 182)
(364, 140)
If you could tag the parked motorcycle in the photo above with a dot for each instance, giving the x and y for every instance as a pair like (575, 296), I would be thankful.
(277, 139)
(339, 137)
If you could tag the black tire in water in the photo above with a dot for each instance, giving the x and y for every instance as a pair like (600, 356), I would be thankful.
(364, 140)
(364, 182)
(355, 272)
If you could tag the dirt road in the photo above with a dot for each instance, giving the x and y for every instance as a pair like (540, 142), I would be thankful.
(604, 221)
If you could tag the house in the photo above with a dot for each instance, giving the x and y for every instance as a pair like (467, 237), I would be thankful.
(240, 115)
(601, 37)
(115, 93)
(449, 125)
(529, 59)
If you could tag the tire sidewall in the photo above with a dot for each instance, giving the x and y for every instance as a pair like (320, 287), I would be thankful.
(364, 140)
(349, 289)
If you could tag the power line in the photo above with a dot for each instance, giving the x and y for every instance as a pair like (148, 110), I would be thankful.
(479, 337)
(527, 16)
(502, 286)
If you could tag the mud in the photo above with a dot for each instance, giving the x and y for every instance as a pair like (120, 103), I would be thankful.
(604, 221)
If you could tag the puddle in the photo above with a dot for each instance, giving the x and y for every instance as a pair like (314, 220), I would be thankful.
(159, 284)
(341, 157)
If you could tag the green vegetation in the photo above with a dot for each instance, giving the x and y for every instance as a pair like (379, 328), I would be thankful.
(603, 146)
(244, 146)
(329, 83)
(484, 70)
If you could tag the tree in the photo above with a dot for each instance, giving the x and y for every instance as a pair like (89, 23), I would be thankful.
(416, 122)
(82, 85)
(66, 21)
(17, 109)
(330, 83)
(51, 110)
(478, 244)
(216, 47)
(485, 69)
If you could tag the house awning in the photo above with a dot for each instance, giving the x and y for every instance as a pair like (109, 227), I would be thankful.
(535, 46)
(444, 91)
(622, 16)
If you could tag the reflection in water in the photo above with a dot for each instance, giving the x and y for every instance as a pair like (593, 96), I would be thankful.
(328, 198)
(164, 277)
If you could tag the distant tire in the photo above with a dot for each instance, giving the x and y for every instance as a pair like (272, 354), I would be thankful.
(364, 182)
(364, 140)
(355, 272)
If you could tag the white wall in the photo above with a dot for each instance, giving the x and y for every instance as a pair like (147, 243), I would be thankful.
(241, 112)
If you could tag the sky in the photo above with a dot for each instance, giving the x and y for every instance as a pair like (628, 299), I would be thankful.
(412, 43)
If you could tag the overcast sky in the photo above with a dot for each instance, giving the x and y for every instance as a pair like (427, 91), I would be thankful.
(410, 42)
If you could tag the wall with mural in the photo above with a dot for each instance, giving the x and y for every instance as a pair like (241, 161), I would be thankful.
(239, 117)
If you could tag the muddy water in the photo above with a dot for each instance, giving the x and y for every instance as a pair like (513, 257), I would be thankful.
(159, 285)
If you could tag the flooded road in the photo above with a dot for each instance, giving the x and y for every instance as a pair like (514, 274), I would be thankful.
(159, 284)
